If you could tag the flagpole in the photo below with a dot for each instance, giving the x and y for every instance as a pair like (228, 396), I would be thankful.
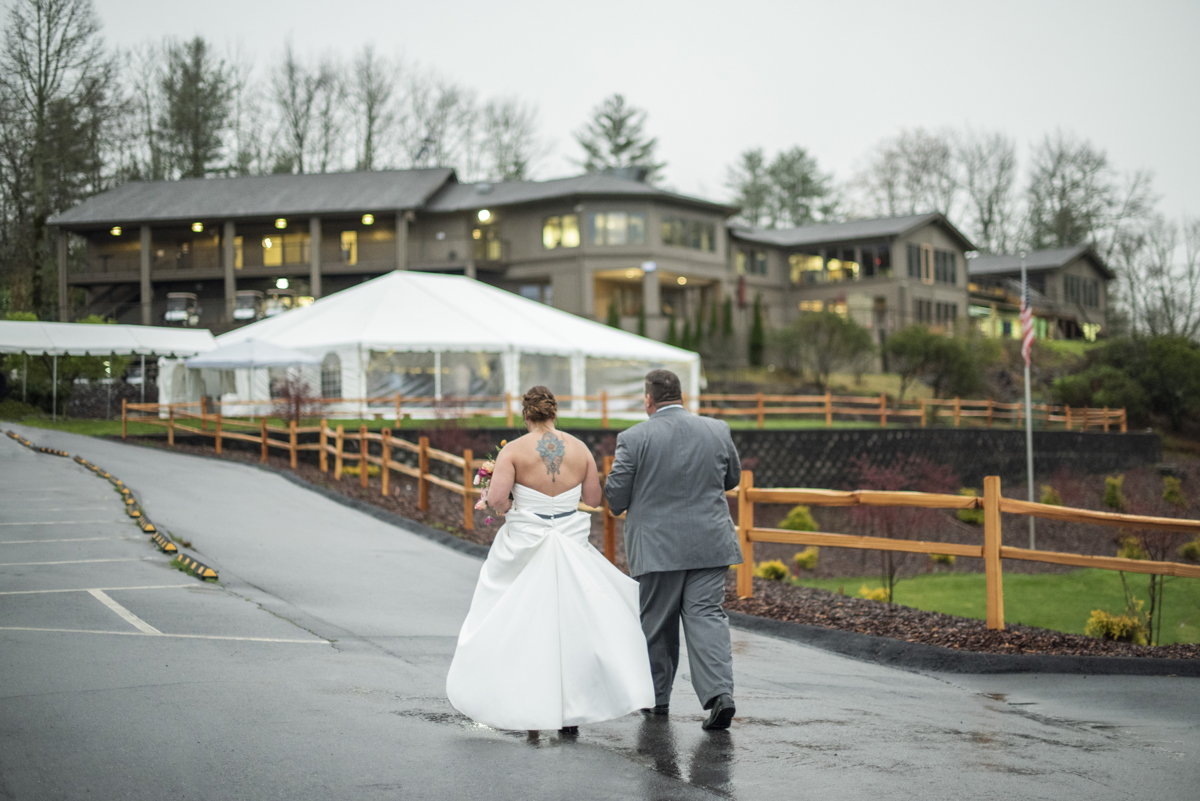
(1027, 315)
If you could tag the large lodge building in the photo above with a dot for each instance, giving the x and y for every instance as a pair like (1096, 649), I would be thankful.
(221, 252)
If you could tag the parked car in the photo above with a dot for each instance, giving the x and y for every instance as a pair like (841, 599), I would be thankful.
(182, 307)
(279, 301)
(248, 305)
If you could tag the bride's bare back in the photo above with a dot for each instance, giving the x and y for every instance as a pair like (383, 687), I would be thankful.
(547, 460)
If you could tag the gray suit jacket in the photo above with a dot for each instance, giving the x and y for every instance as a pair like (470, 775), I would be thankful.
(670, 474)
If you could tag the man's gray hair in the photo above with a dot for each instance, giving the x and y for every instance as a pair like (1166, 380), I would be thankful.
(663, 387)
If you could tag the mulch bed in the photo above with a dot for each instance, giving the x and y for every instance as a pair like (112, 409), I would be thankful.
(771, 599)
(816, 607)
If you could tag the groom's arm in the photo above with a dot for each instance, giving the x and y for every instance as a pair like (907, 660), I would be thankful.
(618, 488)
(733, 467)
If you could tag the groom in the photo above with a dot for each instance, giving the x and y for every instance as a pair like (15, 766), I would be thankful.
(671, 473)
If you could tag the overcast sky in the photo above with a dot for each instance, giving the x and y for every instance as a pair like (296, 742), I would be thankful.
(718, 77)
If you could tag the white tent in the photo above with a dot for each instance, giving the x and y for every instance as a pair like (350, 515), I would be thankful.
(424, 334)
(248, 354)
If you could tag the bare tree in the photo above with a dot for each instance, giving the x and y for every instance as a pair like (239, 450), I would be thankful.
(1163, 292)
(1071, 192)
(296, 89)
(914, 172)
(441, 125)
(249, 124)
(989, 167)
(510, 139)
(372, 90)
(330, 129)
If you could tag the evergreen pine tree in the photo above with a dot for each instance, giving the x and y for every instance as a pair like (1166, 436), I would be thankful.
(727, 320)
(686, 343)
(614, 316)
(712, 320)
(641, 321)
(672, 334)
(758, 335)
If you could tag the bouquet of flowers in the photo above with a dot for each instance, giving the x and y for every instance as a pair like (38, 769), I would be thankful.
(483, 480)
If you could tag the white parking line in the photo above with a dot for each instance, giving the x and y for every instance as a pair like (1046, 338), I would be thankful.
(113, 589)
(59, 522)
(161, 634)
(71, 562)
(73, 508)
(75, 539)
(129, 617)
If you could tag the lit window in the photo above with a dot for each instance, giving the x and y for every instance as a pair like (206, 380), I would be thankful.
(695, 234)
(844, 268)
(350, 247)
(838, 308)
(368, 219)
(272, 251)
(560, 232)
(237, 253)
(812, 305)
(760, 262)
(281, 223)
(807, 268)
(617, 228)
(198, 227)
(739, 262)
(488, 245)
(281, 283)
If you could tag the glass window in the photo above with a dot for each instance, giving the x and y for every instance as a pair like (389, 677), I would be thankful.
(272, 251)
(487, 244)
(812, 305)
(807, 268)
(552, 372)
(914, 261)
(295, 248)
(349, 247)
(542, 293)
(331, 376)
(868, 262)
(695, 234)
(739, 262)
(842, 266)
(883, 261)
(411, 374)
(467, 374)
(760, 262)
(560, 231)
(616, 228)
(237, 253)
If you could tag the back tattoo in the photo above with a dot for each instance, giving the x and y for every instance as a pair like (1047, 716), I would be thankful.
(551, 449)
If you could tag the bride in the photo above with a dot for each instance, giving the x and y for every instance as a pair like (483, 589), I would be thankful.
(553, 639)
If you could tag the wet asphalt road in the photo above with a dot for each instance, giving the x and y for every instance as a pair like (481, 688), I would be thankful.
(315, 670)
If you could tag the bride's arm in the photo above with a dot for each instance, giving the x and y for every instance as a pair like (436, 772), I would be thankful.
(592, 495)
(503, 478)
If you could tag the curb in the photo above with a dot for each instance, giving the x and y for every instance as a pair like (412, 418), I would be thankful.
(195, 567)
(937, 659)
(864, 647)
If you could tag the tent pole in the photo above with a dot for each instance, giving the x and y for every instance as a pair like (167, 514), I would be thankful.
(143, 378)
(24, 378)
(437, 375)
(54, 391)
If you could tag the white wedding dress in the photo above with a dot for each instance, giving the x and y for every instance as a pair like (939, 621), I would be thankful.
(553, 637)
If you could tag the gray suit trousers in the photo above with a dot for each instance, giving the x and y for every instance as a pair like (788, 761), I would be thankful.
(695, 597)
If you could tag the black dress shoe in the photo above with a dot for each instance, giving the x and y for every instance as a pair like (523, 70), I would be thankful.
(722, 713)
(659, 709)
(569, 731)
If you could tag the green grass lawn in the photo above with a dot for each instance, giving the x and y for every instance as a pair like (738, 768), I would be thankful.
(1062, 601)
(91, 428)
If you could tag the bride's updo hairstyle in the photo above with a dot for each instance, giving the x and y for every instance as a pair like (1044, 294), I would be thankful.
(539, 405)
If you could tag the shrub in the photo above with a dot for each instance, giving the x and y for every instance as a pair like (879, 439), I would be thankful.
(352, 470)
(775, 570)
(1103, 385)
(1050, 496)
(1121, 628)
(13, 409)
(1191, 550)
(972, 516)
(799, 519)
(878, 594)
(943, 559)
(1173, 493)
(807, 559)
(1130, 548)
(1113, 498)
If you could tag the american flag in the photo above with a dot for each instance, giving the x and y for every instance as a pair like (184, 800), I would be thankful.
(1026, 323)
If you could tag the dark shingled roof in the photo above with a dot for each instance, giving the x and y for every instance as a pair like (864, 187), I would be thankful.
(463, 197)
(1036, 261)
(256, 196)
(853, 230)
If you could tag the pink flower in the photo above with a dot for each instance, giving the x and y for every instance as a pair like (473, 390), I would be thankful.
(487, 521)
(480, 505)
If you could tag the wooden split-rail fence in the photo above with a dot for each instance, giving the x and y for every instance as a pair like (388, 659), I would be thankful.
(759, 406)
(992, 551)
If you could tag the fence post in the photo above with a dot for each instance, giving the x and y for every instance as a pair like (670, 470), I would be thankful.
(397, 410)
(829, 410)
(882, 410)
(1068, 416)
(758, 401)
(610, 522)
(957, 410)
(217, 438)
(468, 498)
(423, 469)
(203, 413)
(745, 576)
(171, 425)
(990, 411)
(1124, 422)
(264, 439)
(508, 414)
(1047, 405)
(923, 415)
(324, 458)
(385, 472)
(363, 464)
(1086, 415)
(1105, 419)
(604, 408)
(124, 418)
(991, 552)
(339, 442)
(292, 441)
